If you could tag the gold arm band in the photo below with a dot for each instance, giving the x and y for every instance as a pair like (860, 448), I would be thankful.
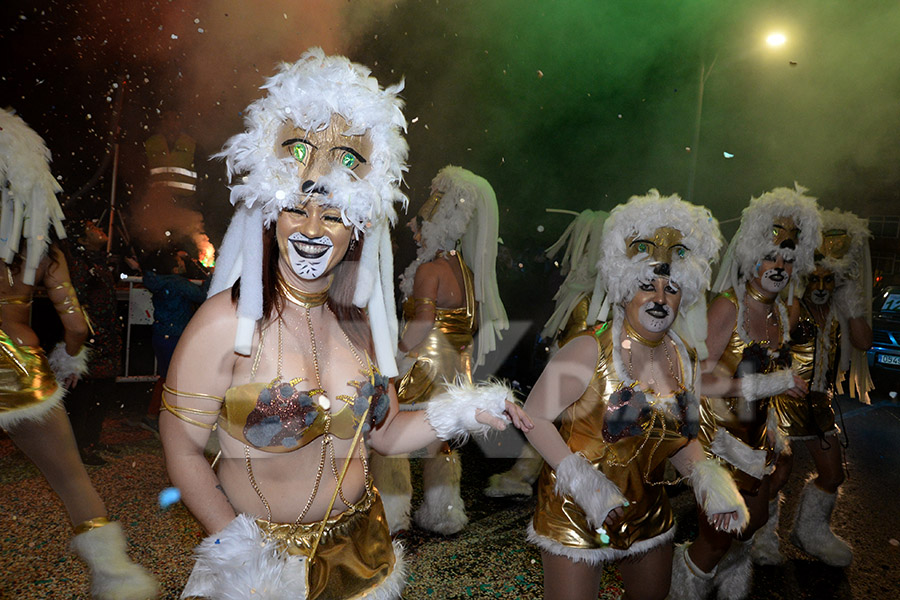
(176, 410)
(424, 301)
(94, 523)
(192, 394)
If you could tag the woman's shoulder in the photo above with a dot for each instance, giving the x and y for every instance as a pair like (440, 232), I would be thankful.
(217, 312)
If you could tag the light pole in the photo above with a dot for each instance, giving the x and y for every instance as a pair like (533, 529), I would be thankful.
(773, 40)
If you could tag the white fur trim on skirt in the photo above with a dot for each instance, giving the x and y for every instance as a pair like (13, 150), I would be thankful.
(35, 412)
(596, 556)
(239, 563)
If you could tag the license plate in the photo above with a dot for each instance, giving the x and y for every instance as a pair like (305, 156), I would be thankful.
(889, 359)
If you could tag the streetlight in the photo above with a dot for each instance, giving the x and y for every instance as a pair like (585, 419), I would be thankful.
(776, 39)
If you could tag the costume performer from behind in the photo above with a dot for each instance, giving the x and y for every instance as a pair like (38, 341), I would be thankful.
(624, 394)
(828, 342)
(450, 293)
(33, 384)
(749, 363)
(581, 240)
(289, 359)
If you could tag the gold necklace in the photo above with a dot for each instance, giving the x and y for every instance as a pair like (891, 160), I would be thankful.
(302, 298)
(758, 295)
(633, 334)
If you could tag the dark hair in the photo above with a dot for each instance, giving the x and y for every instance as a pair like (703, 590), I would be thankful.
(352, 319)
(162, 261)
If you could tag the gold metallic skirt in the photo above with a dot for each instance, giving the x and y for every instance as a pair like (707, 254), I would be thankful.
(354, 556)
(805, 418)
(28, 387)
(443, 355)
(647, 516)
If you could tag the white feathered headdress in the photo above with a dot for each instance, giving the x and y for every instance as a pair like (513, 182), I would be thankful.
(308, 93)
(691, 270)
(28, 190)
(755, 239)
(466, 214)
(845, 252)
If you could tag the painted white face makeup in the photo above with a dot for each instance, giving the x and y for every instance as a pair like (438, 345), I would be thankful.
(654, 307)
(309, 257)
(774, 275)
(312, 239)
(820, 297)
(820, 286)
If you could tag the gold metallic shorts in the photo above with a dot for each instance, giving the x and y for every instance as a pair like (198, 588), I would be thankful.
(805, 418)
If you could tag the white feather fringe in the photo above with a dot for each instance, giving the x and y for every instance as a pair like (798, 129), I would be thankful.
(452, 412)
(716, 491)
(64, 364)
(588, 487)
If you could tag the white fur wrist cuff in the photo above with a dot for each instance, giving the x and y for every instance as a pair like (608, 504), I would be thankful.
(452, 412)
(716, 491)
(64, 364)
(766, 385)
(591, 490)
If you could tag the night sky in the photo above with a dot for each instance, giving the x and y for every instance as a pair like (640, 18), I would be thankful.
(559, 104)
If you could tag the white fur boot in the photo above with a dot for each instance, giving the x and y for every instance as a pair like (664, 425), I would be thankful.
(688, 581)
(765, 549)
(443, 510)
(812, 528)
(392, 480)
(733, 573)
(518, 480)
(113, 575)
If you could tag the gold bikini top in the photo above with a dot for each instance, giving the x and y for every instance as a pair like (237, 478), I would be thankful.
(281, 417)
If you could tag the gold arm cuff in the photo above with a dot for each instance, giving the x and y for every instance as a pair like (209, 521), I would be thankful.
(166, 388)
(424, 301)
(94, 523)
(176, 410)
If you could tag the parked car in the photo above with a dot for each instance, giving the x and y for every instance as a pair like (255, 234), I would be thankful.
(884, 356)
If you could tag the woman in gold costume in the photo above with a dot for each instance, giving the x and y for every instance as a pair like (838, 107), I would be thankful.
(450, 293)
(623, 397)
(290, 357)
(827, 344)
(749, 363)
(32, 385)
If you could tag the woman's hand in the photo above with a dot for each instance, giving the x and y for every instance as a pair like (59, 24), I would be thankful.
(721, 521)
(800, 388)
(71, 381)
(614, 516)
(515, 413)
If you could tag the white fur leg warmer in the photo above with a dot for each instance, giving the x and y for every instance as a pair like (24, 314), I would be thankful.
(442, 510)
(717, 493)
(765, 385)
(113, 575)
(452, 412)
(64, 364)
(392, 479)
(591, 490)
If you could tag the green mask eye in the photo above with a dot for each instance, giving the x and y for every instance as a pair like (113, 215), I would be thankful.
(299, 152)
(681, 252)
(348, 160)
(642, 247)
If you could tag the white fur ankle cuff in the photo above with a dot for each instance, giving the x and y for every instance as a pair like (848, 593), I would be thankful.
(64, 364)
(452, 412)
(591, 490)
(716, 491)
(766, 385)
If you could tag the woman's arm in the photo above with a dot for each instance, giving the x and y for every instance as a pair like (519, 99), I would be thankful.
(563, 381)
(714, 487)
(484, 407)
(203, 364)
(860, 333)
(425, 287)
(62, 295)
